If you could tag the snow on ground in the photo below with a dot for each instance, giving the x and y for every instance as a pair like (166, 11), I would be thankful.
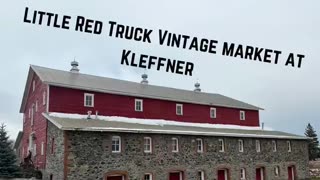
(159, 122)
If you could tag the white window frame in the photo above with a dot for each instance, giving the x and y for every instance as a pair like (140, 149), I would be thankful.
(276, 171)
(118, 138)
(29, 113)
(242, 174)
(199, 140)
(214, 114)
(274, 146)
(175, 144)
(145, 144)
(36, 105)
(221, 145)
(289, 146)
(44, 98)
(136, 101)
(34, 149)
(242, 115)
(201, 175)
(33, 85)
(32, 115)
(181, 107)
(240, 143)
(31, 142)
(42, 148)
(258, 146)
(150, 176)
(85, 99)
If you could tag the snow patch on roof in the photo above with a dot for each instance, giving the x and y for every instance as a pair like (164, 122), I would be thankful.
(197, 133)
(159, 122)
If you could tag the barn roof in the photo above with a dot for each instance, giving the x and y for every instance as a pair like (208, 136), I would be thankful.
(131, 125)
(121, 87)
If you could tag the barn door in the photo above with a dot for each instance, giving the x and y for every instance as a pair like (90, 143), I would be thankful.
(260, 174)
(175, 176)
(291, 173)
(222, 174)
(115, 178)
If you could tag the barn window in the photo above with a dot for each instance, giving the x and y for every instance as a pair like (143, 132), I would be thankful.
(147, 144)
(240, 145)
(33, 85)
(175, 145)
(32, 114)
(148, 176)
(88, 100)
(213, 113)
(276, 171)
(289, 146)
(36, 105)
(242, 174)
(199, 145)
(258, 146)
(34, 149)
(42, 148)
(179, 109)
(31, 142)
(138, 104)
(221, 145)
(52, 145)
(274, 146)
(200, 175)
(44, 98)
(242, 115)
(116, 144)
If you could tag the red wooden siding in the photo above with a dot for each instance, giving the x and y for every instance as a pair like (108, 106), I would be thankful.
(68, 100)
(39, 123)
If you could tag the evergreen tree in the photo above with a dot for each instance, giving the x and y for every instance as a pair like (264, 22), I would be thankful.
(8, 167)
(313, 142)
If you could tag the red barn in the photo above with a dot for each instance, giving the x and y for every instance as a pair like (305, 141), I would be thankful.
(57, 105)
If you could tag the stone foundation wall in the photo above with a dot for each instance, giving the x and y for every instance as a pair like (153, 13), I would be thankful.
(88, 156)
(55, 160)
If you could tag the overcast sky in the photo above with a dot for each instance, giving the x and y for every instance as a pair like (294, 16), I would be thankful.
(290, 96)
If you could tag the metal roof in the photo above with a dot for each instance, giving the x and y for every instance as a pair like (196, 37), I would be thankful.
(121, 87)
(81, 124)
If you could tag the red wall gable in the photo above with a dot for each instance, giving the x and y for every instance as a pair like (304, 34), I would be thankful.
(68, 100)
(39, 123)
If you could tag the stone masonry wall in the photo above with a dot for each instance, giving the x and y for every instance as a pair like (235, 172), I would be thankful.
(55, 160)
(90, 156)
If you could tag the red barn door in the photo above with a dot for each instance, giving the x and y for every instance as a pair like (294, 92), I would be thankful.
(175, 176)
(115, 178)
(260, 174)
(222, 174)
(291, 173)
